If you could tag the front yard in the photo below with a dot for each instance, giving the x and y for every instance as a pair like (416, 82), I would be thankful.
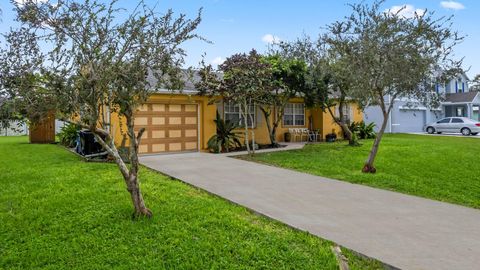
(57, 212)
(440, 168)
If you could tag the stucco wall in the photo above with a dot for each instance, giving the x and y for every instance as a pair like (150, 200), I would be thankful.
(314, 118)
(403, 119)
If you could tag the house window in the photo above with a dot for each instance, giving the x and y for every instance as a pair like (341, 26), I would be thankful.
(233, 112)
(347, 113)
(294, 114)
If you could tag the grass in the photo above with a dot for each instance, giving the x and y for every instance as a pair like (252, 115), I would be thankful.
(58, 212)
(440, 168)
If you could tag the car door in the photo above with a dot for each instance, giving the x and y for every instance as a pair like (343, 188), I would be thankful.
(456, 125)
(442, 125)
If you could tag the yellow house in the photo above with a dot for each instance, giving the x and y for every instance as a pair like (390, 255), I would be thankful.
(184, 121)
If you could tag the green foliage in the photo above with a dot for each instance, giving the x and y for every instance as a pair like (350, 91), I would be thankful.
(246, 78)
(61, 213)
(68, 134)
(429, 174)
(225, 138)
(362, 130)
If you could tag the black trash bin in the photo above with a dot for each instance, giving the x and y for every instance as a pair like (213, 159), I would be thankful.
(88, 143)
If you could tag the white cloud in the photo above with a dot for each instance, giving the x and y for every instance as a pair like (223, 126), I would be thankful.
(217, 61)
(452, 5)
(22, 2)
(270, 39)
(406, 11)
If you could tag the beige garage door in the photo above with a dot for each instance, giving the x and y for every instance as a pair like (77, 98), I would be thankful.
(169, 127)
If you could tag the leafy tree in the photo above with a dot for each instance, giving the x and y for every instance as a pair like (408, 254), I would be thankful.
(24, 92)
(288, 75)
(326, 81)
(391, 56)
(475, 84)
(243, 79)
(103, 63)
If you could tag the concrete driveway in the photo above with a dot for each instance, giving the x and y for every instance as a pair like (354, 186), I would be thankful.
(403, 231)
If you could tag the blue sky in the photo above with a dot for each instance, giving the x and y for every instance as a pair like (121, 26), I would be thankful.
(240, 25)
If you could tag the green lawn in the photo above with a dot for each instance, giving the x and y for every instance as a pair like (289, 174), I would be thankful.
(440, 168)
(58, 212)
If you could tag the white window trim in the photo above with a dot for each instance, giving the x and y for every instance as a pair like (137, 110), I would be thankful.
(294, 116)
(240, 116)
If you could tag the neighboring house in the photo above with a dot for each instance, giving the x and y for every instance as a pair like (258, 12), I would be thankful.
(407, 115)
(183, 121)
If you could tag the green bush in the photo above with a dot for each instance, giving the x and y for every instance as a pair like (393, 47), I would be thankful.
(362, 130)
(225, 138)
(68, 135)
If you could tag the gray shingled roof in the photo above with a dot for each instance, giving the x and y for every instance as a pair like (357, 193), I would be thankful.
(461, 97)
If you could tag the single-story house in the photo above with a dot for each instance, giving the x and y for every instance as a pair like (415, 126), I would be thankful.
(184, 121)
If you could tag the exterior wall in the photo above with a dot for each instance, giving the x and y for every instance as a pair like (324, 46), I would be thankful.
(403, 118)
(314, 119)
(328, 124)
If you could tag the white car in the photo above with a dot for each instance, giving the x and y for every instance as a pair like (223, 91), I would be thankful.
(462, 125)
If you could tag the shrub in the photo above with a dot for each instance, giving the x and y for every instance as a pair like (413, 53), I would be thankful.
(68, 135)
(225, 138)
(363, 130)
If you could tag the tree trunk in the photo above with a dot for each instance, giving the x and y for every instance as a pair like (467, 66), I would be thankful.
(272, 131)
(133, 185)
(138, 203)
(352, 141)
(369, 164)
(245, 124)
(253, 126)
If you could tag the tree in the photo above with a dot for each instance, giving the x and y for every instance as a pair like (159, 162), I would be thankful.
(326, 80)
(23, 84)
(106, 64)
(391, 56)
(475, 86)
(243, 79)
(288, 79)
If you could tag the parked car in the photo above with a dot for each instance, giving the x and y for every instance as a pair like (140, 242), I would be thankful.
(462, 125)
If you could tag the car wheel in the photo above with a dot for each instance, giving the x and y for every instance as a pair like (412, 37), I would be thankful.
(474, 133)
(466, 131)
(430, 130)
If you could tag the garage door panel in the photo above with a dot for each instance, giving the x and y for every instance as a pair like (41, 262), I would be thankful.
(169, 127)
(409, 121)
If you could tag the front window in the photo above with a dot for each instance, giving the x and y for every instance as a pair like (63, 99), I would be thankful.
(294, 114)
(233, 112)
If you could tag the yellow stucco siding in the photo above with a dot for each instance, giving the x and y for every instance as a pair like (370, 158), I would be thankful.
(329, 125)
(314, 119)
